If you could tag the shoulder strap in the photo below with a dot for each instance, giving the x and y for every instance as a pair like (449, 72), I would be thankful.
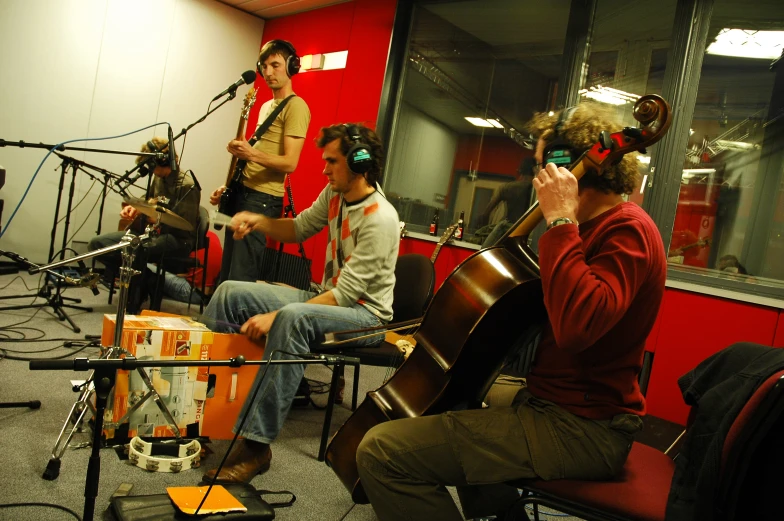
(267, 122)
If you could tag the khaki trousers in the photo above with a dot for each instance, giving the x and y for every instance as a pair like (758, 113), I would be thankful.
(405, 465)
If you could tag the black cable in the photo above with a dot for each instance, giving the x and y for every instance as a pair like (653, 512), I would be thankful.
(252, 398)
(26, 359)
(78, 202)
(87, 218)
(347, 512)
(50, 505)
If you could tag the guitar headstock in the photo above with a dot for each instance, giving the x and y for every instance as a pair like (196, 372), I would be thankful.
(250, 99)
(448, 233)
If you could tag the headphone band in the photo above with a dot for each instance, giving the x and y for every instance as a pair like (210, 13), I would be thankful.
(293, 64)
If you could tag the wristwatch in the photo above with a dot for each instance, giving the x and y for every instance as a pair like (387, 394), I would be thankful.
(559, 221)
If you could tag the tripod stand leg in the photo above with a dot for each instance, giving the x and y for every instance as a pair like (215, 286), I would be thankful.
(162, 406)
(75, 416)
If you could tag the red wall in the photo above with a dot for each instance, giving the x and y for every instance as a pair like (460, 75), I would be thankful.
(689, 329)
(364, 28)
(499, 155)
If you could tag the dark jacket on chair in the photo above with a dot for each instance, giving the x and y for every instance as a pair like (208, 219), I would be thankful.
(718, 388)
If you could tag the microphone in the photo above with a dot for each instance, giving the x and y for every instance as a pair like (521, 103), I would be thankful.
(247, 78)
(172, 155)
(90, 279)
(87, 281)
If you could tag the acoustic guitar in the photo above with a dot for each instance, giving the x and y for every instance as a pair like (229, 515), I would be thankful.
(477, 315)
(234, 177)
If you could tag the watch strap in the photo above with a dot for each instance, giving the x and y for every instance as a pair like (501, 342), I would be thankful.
(559, 221)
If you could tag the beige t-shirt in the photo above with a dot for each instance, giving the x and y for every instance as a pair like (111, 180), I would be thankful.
(293, 120)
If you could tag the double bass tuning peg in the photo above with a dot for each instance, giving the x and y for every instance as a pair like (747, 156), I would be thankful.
(605, 140)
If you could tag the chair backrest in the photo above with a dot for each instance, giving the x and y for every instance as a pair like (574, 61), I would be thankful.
(202, 228)
(414, 282)
(749, 452)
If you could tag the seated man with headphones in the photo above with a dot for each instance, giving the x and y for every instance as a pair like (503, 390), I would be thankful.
(359, 276)
(273, 154)
(603, 267)
(174, 190)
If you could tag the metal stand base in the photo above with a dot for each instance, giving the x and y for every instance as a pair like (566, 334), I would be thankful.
(54, 300)
(80, 408)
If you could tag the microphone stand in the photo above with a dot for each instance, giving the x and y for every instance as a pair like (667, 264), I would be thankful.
(103, 380)
(55, 300)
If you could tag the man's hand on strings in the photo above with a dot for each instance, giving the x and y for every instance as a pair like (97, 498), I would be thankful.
(216, 195)
(128, 212)
(241, 149)
(258, 326)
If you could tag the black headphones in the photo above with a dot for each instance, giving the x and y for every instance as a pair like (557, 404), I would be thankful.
(160, 161)
(359, 156)
(292, 62)
(559, 151)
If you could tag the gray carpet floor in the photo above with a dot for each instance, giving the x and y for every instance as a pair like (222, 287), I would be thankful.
(27, 437)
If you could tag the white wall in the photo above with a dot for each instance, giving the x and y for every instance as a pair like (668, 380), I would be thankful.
(421, 158)
(95, 68)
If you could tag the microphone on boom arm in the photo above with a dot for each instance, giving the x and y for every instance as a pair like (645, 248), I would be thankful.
(247, 78)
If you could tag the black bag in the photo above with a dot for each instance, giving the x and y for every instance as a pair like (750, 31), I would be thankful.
(159, 507)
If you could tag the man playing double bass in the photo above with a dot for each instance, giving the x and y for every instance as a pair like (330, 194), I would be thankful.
(603, 268)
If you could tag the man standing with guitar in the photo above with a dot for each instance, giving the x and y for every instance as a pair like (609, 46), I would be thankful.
(603, 267)
(257, 184)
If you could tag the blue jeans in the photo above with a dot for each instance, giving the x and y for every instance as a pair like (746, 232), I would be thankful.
(242, 260)
(176, 288)
(298, 328)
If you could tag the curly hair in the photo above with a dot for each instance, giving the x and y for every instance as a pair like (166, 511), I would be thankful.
(581, 131)
(367, 136)
(161, 143)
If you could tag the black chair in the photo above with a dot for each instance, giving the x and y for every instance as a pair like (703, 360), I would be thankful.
(751, 456)
(414, 283)
(185, 264)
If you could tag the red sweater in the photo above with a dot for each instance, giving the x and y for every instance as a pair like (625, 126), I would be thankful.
(603, 285)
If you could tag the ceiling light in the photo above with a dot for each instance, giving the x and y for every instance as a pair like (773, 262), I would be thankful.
(609, 95)
(479, 122)
(645, 160)
(495, 123)
(743, 43)
(551, 113)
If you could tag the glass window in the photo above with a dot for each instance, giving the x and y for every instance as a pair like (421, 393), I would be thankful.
(497, 62)
(628, 63)
(729, 220)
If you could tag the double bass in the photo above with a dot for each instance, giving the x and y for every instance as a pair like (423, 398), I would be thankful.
(485, 305)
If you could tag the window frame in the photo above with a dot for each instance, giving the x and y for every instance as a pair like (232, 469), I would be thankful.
(681, 84)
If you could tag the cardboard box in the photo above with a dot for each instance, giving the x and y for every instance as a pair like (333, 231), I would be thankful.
(161, 336)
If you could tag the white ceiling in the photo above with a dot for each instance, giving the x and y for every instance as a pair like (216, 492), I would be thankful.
(267, 9)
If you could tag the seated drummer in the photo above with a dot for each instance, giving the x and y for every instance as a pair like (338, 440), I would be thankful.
(173, 190)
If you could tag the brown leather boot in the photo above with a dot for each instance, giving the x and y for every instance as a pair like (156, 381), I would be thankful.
(246, 459)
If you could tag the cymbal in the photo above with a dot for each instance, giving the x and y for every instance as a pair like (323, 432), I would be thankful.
(168, 217)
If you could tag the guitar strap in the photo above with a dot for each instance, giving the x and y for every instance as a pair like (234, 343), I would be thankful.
(261, 130)
(268, 122)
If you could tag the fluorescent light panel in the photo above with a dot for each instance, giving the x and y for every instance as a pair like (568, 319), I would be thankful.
(743, 43)
(609, 95)
(480, 122)
(324, 62)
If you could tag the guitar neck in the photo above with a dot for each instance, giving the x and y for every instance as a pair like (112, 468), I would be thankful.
(435, 252)
(233, 163)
